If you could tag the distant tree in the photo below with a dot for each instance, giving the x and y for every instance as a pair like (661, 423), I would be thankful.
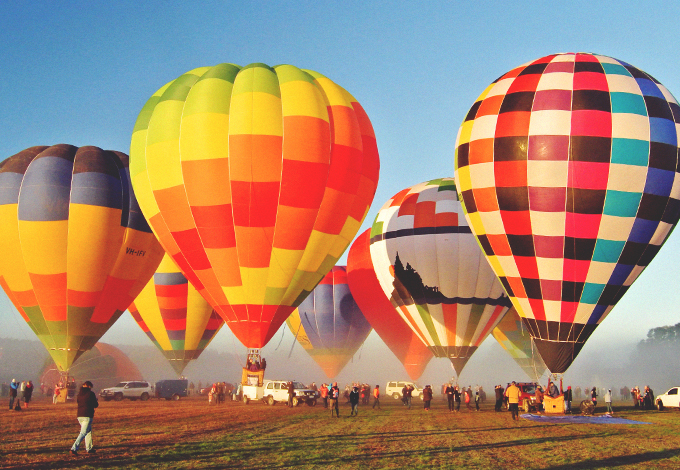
(663, 334)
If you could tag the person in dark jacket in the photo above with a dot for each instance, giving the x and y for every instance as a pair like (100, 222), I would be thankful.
(291, 393)
(87, 402)
(449, 396)
(427, 397)
(354, 401)
(567, 400)
(13, 388)
(499, 397)
(456, 397)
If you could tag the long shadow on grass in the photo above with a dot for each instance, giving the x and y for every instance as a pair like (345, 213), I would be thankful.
(621, 460)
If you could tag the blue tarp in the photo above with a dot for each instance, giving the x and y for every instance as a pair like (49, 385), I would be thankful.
(578, 419)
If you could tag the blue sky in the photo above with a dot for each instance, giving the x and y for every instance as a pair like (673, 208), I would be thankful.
(78, 72)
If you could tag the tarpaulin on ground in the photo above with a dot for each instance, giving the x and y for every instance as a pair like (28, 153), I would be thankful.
(578, 419)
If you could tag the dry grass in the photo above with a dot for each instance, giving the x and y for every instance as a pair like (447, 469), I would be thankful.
(191, 434)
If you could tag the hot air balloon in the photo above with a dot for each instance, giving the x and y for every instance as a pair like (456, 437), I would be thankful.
(431, 268)
(255, 181)
(174, 316)
(380, 312)
(77, 250)
(513, 336)
(329, 324)
(567, 168)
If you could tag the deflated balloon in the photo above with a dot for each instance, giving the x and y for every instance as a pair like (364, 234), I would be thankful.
(513, 336)
(567, 167)
(77, 250)
(431, 268)
(174, 316)
(329, 324)
(380, 312)
(255, 181)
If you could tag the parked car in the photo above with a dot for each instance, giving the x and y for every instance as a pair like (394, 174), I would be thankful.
(133, 390)
(276, 391)
(670, 398)
(393, 389)
(171, 389)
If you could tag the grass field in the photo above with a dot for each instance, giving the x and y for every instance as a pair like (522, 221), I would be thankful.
(191, 434)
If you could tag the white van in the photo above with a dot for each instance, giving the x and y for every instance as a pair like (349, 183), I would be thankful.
(393, 389)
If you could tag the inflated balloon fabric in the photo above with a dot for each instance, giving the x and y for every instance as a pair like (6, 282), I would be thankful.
(174, 316)
(380, 312)
(431, 268)
(255, 181)
(329, 323)
(77, 249)
(568, 167)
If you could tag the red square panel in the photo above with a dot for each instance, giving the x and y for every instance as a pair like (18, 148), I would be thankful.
(551, 290)
(510, 174)
(516, 222)
(575, 270)
(588, 175)
(515, 123)
(582, 225)
(591, 123)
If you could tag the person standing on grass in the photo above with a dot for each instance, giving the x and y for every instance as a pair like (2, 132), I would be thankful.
(291, 393)
(513, 393)
(28, 393)
(354, 401)
(456, 397)
(334, 394)
(498, 389)
(608, 401)
(593, 397)
(427, 397)
(87, 402)
(567, 400)
(376, 397)
(477, 399)
(13, 391)
(448, 391)
(408, 395)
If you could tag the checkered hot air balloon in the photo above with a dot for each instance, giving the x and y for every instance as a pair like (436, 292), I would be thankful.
(329, 324)
(255, 181)
(568, 170)
(380, 312)
(174, 316)
(77, 249)
(431, 268)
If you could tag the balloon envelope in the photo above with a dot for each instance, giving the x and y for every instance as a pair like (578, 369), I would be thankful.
(174, 316)
(104, 364)
(567, 167)
(329, 324)
(255, 181)
(513, 336)
(380, 312)
(77, 250)
(431, 268)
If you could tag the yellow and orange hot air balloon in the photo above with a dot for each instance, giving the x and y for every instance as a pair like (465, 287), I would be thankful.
(77, 250)
(255, 181)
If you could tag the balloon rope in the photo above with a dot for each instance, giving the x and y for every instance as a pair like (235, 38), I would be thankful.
(281, 340)
(295, 340)
(236, 353)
